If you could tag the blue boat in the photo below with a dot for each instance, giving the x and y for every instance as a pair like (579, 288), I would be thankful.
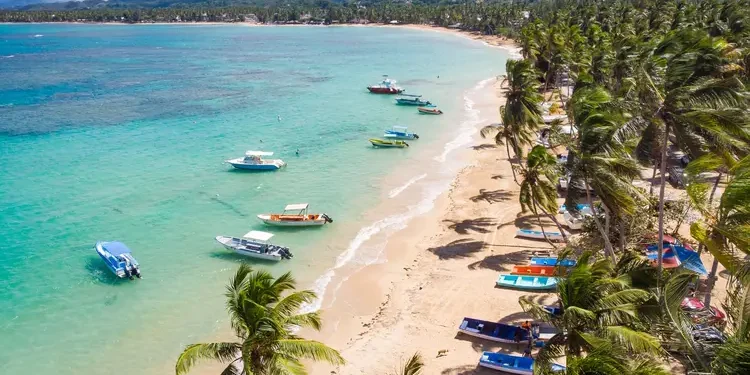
(253, 160)
(552, 262)
(527, 282)
(511, 363)
(406, 99)
(492, 331)
(118, 259)
(583, 208)
(399, 132)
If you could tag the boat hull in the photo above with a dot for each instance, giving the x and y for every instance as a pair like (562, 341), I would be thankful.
(384, 90)
(388, 144)
(539, 283)
(256, 167)
(116, 266)
(227, 243)
(534, 270)
(411, 102)
(508, 331)
(428, 111)
(536, 261)
(538, 235)
(267, 219)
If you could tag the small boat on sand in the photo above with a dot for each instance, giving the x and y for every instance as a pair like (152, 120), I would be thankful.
(386, 86)
(429, 111)
(400, 132)
(253, 160)
(492, 331)
(552, 262)
(295, 215)
(407, 99)
(512, 364)
(388, 143)
(527, 282)
(582, 208)
(534, 270)
(255, 244)
(118, 259)
(539, 235)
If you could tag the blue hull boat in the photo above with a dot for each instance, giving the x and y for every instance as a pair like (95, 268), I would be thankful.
(511, 363)
(583, 208)
(527, 282)
(492, 331)
(118, 259)
(552, 262)
(400, 132)
(539, 235)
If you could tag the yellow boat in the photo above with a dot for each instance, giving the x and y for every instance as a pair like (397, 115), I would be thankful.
(388, 143)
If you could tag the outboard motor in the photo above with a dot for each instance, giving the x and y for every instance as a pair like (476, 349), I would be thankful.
(407, 145)
(416, 136)
(327, 218)
(128, 274)
(137, 272)
(286, 254)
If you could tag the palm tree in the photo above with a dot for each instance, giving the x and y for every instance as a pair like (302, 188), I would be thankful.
(413, 366)
(263, 313)
(600, 159)
(522, 113)
(700, 99)
(538, 192)
(599, 310)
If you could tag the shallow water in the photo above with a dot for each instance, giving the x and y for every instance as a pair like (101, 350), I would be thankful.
(120, 132)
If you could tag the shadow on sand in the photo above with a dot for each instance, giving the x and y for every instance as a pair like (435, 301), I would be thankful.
(461, 248)
(493, 196)
(484, 146)
(478, 225)
(502, 262)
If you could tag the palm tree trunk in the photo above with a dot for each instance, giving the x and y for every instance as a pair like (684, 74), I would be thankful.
(539, 219)
(653, 177)
(711, 282)
(557, 223)
(622, 236)
(663, 170)
(507, 149)
(607, 245)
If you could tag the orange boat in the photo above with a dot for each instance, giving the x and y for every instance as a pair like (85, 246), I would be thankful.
(534, 270)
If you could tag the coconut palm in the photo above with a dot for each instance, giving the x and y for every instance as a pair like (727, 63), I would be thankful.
(264, 316)
(700, 99)
(599, 308)
(413, 366)
(538, 192)
(600, 159)
(522, 113)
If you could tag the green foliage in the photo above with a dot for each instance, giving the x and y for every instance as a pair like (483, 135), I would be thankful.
(263, 313)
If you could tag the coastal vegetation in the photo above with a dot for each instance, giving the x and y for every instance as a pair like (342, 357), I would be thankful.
(264, 315)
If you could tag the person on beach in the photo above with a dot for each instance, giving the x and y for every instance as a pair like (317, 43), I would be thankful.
(518, 336)
(526, 325)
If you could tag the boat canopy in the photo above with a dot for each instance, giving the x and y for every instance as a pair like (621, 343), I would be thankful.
(296, 207)
(412, 95)
(116, 248)
(258, 153)
(258, 235)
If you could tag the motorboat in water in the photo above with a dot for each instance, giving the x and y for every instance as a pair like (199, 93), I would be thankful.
(399, 132)
(295, 215)
(386, 86)
(388, 143)
(429, 110)
(255, 244)
(407, 99)
(118, 259)
(253, 160)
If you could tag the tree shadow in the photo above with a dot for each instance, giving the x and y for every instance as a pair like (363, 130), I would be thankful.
(461, 248)
(516, 317)
(478, 225)
(497, 177)
(529, 221)
(484, 146)
(502, 262)
(461, 370)
(493, 196)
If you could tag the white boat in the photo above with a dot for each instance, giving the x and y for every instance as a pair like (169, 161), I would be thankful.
(573, 222)
(400, 132)
(253, 160)
(539, 235)
(295, 215)
(255, 244)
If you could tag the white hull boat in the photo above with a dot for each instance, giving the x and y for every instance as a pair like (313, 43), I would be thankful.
(295, 215)
(255, 244)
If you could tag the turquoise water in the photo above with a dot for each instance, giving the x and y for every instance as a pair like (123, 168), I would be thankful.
(120, 132)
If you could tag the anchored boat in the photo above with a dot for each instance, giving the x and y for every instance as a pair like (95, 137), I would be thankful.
(387, 143)
(386, 86)
(527, 282)
(253, 160)
(511, 363)
(255, 244)
(429, 110)
(118, 259)
(295, 215)
(400, 132)
(407, 99)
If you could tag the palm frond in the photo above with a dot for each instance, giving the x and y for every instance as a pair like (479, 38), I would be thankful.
(222, 352)
(310, 349)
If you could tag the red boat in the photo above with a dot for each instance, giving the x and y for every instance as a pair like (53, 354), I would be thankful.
(387, 86)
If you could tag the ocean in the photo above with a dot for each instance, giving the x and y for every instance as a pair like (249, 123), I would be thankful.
(115, 132)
